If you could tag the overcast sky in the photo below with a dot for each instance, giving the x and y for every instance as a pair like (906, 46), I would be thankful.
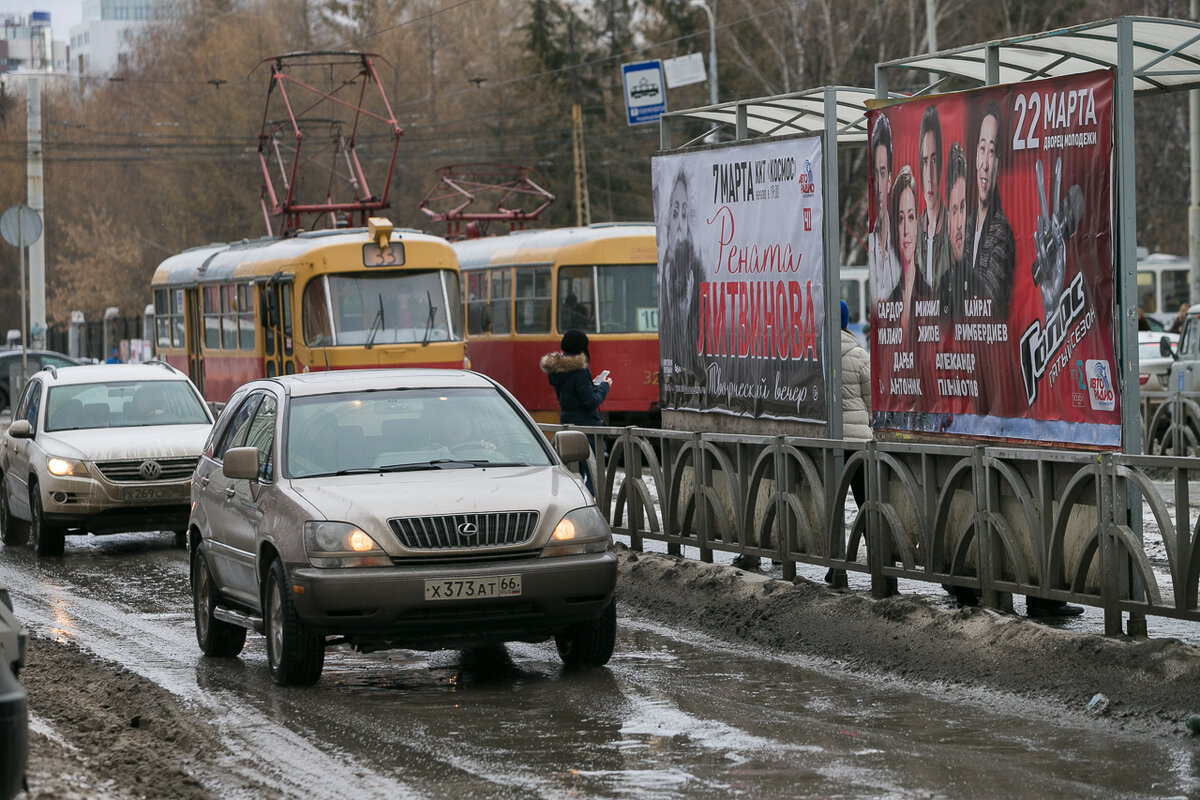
(63, 13)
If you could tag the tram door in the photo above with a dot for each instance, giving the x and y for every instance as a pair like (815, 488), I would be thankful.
(195, 337)
(276, 316)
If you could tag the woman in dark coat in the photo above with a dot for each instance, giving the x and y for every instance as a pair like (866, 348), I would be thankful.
(579, 398)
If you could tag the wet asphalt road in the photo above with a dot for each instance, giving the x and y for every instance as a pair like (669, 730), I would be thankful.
(673, 716)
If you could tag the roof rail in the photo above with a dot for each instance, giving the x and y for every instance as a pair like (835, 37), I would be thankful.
(160, 363)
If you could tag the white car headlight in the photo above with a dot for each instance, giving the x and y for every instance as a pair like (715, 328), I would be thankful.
(65, 466)
(340, 544)
(583, 530)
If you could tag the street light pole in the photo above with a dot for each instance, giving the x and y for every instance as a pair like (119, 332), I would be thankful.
(712, 58)
(712, 47)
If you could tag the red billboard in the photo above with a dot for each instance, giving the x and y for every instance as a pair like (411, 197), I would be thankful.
(991, 266)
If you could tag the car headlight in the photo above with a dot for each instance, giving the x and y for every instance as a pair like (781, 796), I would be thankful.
(340, 544)
(583, 530)
(65, 466)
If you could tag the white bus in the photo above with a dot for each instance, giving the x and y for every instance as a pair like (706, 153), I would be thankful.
(1162, 285)
(857, 295)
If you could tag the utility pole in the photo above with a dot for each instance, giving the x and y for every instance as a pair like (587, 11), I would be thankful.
(1194, 204)
(583, 210)
(34, 189)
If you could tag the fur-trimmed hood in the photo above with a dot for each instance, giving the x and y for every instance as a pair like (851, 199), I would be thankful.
(561, 362)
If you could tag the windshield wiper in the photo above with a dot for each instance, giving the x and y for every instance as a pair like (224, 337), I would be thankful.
(376, 324)
(429, 322)
(412, 466)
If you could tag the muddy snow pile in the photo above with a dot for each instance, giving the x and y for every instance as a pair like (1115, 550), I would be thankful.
(1150, 686)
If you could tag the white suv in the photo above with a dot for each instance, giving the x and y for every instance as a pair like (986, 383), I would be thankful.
(104, 449)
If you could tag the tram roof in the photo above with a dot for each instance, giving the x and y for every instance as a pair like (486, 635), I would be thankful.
(219, 261)
(485, 250)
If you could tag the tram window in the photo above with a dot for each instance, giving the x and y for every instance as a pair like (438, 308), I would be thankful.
(576, 299)
(1175, 289)
(168, 318)
(628, 298)
(501, 301)
(454, 293)
(533, 300)
(477, 300)
(245, 318)
(285, 298)
(316, 315)
(162, 319)
(228, 318)
(381, 308)
(212, 317)
(1147, 292)
(177, 322)
(850, 293)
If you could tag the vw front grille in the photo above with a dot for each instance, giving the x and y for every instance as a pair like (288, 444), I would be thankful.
(129, 470)
(454, 531)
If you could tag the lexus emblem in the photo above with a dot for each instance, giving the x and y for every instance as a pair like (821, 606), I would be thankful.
(150, 471)
(468, 529)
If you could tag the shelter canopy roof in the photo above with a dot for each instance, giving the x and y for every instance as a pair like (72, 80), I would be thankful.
(1165, 58)
(1166, 55)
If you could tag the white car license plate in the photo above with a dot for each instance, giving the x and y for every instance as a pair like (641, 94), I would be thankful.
(473, 588)
(155, 492)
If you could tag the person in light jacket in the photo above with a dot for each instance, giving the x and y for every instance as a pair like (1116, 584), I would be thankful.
(579, 398)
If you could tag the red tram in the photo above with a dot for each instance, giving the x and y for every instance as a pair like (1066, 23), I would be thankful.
(525, 289)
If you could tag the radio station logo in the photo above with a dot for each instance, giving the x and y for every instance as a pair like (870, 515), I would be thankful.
(808, 184)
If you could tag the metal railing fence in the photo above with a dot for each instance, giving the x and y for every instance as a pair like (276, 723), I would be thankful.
(1050, 523)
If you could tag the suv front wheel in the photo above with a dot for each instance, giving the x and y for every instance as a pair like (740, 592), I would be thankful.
(589, 644)
(12, 530)
(48, 540)
(216, 638)
(295, 654)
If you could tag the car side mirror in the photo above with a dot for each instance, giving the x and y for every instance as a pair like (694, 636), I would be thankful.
(21, 429)
(571, 446)
(1164, 348)
(241, 463)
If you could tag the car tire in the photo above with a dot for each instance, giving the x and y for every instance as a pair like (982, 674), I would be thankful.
(295, 654)
(216, 638)
(48, 540)
(12, 530)
(589, 644)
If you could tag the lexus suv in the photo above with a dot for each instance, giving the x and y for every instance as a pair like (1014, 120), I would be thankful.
(102, 449)
(394, 508)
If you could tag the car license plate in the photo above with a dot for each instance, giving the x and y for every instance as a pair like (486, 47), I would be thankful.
(155, 492)
(473, 588)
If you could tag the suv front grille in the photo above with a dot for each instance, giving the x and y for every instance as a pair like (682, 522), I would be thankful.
(497, 529)
(129, 470)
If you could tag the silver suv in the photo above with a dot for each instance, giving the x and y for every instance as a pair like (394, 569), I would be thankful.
(394, 508)
(102, 448)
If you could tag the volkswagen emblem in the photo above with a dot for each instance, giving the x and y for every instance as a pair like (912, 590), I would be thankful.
(468, 529)
(150, 471)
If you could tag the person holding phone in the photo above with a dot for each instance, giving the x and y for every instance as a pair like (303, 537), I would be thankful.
(579, 398)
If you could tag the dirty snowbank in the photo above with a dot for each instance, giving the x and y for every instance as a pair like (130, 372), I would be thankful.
(1152, 685)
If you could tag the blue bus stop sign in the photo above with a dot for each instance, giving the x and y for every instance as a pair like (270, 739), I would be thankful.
(645, 91)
